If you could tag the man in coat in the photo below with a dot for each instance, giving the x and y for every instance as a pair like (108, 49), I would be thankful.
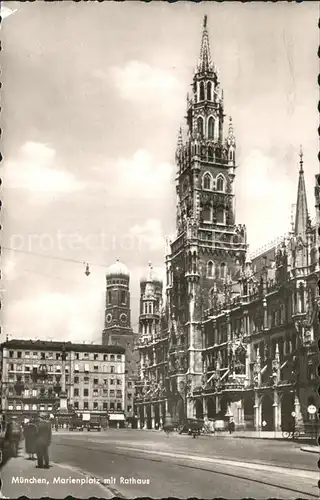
(43, 441)
(30, 433)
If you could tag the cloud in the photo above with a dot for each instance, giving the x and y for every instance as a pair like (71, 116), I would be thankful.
(150, 234)
(267, 194)
(140, 81)
(34, 171)
(142, 176)
(64, 316)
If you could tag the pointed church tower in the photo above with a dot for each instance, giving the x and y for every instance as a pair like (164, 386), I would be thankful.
(209, 246)
(301, 248)
(302, 217)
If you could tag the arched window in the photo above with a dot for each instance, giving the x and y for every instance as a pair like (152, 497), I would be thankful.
(201, 91)
(210, 153)
(222, 270)
(209, 91)
(210, 269)
(211, 128)
(220, 183)
(217, 273)
(207, 181)
(200, 125)
(123, 297)
(206, 214)
(220, 215)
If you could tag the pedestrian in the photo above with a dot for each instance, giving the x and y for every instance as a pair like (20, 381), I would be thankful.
(231, 426)
(30, 432)
(168, 425)
(13, 436)
(43, 441)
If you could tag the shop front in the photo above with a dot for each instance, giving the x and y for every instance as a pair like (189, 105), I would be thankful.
(116, 420)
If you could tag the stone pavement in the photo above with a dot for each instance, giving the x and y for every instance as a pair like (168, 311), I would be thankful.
(21, 477)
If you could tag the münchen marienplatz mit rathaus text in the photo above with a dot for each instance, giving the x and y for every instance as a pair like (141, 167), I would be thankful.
(234, 336)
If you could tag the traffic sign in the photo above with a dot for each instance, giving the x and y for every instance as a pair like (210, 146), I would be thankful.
(312, 409)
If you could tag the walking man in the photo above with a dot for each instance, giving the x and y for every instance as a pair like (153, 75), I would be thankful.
(43, 441)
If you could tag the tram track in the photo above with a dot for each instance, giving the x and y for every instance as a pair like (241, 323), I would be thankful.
(164, 460)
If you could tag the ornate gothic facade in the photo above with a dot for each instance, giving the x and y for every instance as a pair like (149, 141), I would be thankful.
(235, 336)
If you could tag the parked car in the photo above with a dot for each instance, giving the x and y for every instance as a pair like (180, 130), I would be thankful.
(76, 426)
(93, 425)
(191, 426)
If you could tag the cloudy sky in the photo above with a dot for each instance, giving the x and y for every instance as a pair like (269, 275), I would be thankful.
(93, 95)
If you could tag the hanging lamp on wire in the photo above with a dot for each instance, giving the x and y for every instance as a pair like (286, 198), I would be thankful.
(87, 271)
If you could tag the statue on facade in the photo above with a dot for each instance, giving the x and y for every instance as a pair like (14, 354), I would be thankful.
(240, 359)
(257, 370)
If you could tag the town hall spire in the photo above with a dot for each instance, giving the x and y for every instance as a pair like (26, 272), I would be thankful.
(302, 216)
(205, 64)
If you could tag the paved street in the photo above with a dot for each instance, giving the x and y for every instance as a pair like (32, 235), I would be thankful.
(136, 463)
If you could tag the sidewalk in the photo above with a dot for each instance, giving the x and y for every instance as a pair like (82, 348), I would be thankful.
(251, 435)
(21, 478)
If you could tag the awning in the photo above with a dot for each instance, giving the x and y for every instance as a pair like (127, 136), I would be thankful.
(114, 416)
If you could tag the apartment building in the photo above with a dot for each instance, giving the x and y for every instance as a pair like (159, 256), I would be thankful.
(36, 374)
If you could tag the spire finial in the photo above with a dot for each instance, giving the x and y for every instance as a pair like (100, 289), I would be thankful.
(205, 21)
(230, 126)
(150, 271)
(301, 158)
(180, 142)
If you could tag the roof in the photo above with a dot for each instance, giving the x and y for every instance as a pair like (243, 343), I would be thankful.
(118, 269)
(49, 345)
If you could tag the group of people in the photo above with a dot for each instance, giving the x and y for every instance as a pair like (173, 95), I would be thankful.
(37, 435)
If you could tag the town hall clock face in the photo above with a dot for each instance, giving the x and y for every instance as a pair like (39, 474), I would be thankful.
(123, 318)
(109, 318)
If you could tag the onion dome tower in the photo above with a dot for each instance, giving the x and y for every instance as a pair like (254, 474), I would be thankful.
(117, 311)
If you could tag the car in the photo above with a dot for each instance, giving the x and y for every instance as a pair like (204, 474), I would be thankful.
(190, 426)
(76, 427)
(90, 426)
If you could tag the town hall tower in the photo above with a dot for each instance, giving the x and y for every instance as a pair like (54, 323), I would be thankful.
(204, 260)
